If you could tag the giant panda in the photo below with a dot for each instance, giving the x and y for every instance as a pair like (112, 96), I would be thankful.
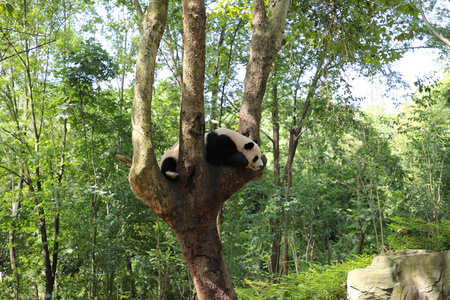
(224, 147)
(169, 162)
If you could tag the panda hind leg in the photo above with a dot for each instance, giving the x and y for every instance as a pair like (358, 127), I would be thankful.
(169, 168)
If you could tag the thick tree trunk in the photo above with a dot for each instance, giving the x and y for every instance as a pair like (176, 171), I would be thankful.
(201, 246)
(190, 205)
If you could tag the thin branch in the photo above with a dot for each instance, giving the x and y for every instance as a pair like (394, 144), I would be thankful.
(267, 136)
(18, 138)
(124, 160)
(138, 8)
(25, 179)
(29, 49)
(171, 69)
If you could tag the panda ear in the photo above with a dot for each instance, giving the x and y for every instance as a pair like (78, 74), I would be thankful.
(256, 141)
(249, 146)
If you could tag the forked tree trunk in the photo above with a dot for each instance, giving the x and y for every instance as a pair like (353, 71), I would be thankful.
(190, 205)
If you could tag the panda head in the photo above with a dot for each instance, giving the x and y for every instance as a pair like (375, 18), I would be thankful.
(253, 154)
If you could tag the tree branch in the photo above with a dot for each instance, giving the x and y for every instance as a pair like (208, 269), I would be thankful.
(29, 49)
(25, 179)
(145, 177)
(265, 43)
(259, 11)
(138, 8)
(192, 118)
(124, 160)
(427, 24)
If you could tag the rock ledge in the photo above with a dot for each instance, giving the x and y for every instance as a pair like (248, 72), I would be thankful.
(406, 274)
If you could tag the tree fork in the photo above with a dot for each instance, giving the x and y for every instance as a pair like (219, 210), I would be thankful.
(189, 205)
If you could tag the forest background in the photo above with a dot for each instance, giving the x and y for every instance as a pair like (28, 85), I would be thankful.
(364, 181)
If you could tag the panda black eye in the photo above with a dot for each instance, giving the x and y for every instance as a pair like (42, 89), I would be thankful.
(255, 159)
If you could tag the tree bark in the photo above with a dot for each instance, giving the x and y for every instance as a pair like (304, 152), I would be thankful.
(190, 205)
(265, 43)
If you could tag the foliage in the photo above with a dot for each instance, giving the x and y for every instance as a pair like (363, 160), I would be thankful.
(407, 233)
(65, 101)
(318, 282)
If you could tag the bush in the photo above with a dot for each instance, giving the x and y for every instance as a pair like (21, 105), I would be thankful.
(319, 282)
(410, 233)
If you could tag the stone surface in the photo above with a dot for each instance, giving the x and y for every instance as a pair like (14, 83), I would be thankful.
(403, 275)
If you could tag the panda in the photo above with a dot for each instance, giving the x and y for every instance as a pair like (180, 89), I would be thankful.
(169, 162)
(224, 147)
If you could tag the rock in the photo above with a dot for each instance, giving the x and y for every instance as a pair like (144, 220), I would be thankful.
(403, 275)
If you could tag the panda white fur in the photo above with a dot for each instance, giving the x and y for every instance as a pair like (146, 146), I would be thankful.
(224, 147)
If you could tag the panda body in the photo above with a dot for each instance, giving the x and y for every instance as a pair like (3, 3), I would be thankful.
(224, 147)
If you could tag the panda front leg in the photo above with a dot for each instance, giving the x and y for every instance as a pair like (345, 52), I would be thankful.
(236, 159)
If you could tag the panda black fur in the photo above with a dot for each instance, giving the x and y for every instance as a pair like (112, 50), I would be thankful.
(224, 147)
(169, 162)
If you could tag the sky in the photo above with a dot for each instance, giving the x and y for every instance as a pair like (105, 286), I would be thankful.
(420, 63)
(414, 65)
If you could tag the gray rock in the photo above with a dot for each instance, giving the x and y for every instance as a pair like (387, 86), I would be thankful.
(403, 275)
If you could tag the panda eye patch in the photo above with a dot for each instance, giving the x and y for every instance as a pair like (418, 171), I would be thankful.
(255, 159)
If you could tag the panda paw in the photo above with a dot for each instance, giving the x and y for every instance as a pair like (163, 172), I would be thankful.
(172, 175)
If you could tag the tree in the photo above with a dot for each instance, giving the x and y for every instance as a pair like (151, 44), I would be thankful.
(28, 129)
(190, 205)
(326, 38)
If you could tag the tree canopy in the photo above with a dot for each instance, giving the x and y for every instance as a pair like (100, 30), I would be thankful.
(343, 179)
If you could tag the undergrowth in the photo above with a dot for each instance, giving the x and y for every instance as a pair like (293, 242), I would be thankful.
(318, 282)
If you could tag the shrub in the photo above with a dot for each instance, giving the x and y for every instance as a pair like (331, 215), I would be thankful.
(318, 282)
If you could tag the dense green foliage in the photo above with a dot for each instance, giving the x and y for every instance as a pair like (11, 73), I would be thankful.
(359, 174)
(317, 282)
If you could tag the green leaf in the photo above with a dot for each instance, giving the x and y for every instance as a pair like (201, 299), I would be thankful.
(6, 9)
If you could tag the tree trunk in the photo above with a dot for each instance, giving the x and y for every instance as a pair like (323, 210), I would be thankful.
(294, 136)
(94, 245)
(267, 39)
(215, 83)
(360, 242)
(191, 204)
(110, 284)
(276, 229)
(202, 249)
(166, 280)
(12, 249)
(129, 278)
(276, 242)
